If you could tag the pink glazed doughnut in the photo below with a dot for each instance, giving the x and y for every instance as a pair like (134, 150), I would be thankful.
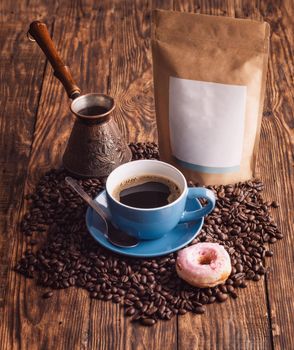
(204, 265)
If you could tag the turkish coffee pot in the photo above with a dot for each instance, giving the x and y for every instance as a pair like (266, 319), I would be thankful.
(95, 146)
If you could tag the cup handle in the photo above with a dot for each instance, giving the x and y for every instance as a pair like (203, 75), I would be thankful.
(199, 192)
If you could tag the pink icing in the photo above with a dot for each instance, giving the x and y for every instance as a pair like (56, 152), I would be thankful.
(204, 263)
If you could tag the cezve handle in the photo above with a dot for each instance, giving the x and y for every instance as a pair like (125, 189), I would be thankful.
(38, 30)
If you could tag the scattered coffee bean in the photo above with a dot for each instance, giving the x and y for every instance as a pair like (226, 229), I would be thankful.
(148, 321)
(256, 278)
(149, 289)
(47, 295)
(234, 295)
(275, 204)
(269, 253)
(243, 285)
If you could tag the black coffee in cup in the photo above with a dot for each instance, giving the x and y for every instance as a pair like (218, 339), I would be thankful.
(147, 191)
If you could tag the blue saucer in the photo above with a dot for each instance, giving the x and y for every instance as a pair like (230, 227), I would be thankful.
(173, 240)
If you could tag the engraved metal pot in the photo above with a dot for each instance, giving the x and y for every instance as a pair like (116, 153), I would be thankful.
(95, 146)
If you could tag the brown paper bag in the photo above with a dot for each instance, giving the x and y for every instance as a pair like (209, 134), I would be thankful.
(209, 85)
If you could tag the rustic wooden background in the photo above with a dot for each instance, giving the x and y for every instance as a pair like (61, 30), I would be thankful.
(107, 44)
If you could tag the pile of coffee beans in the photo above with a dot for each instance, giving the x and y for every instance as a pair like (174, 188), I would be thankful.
(144, 150)
(61, 253)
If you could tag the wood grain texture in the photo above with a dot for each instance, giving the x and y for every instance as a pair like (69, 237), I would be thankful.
(107, 45)
(235, 324)
(20, 92)
(131, 86)
(105, 330)
(22, 13)
(131, 75)
(276, 165)
(232, 327)
(67, 314)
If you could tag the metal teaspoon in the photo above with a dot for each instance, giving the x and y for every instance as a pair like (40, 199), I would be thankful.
(113, 234)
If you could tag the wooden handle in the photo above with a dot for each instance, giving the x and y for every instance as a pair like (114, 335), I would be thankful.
(38, 30)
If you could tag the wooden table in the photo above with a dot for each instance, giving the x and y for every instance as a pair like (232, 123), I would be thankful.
(107, 44)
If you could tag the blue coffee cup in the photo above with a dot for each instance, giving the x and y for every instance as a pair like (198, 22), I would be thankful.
(153, 223)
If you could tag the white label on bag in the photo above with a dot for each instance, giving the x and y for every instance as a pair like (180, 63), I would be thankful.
(206, 122)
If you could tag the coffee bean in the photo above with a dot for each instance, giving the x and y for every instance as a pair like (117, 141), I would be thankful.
(261, 270)
(151, 310)
(128, 302)
(47, 295)
(151, 278)
(161, 309)
(182, 311)
(145, 307)
(211, 300)
(204, 299)
(221, 297)
(275, 204)
(130, 311)
(269, 253)
(243, 285)
(239, 267)
(234, 270)
(238, 283)
(148, 321)
(250, 274)
(234, 295)
(137, 316)
(238, 276)
(108, 297)
(241, 222)
(116, 299)
(230, 289)
(93, 294)
(138, 304)
(199, 309)
(256, 278)
(124, 279)
(223, 288)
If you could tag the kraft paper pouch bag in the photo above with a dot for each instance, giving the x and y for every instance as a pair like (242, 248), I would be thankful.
(209, 84)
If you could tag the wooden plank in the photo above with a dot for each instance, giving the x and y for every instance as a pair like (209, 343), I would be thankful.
(85, 36)
(22, 68)
(236, 324)
(248, 9)
(131, 86)
(106, 321)
(276, 166)
(21, 13)
(79, 33)
(212, 7)
(131, 77)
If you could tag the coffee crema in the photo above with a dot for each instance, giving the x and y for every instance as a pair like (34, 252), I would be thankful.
(147, 191)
